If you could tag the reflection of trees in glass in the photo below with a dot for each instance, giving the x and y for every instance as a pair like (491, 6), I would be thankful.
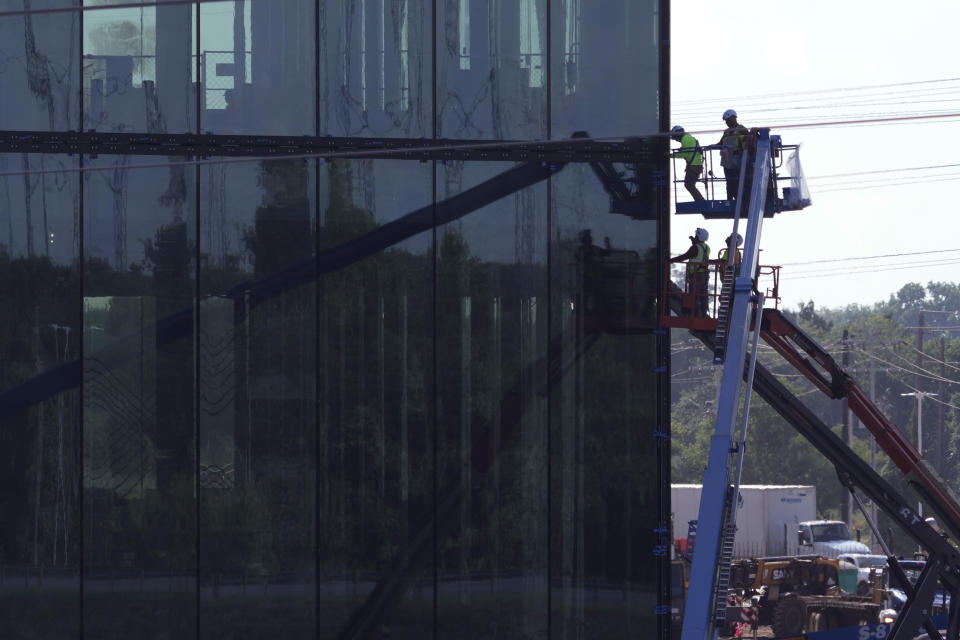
(40, 328)
(374, 320)
(138, 389)
(257, 382)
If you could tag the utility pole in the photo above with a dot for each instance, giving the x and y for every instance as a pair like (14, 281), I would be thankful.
(919, 348)
(873, 441)
(920, 395)
(941, 445)
(846, 505)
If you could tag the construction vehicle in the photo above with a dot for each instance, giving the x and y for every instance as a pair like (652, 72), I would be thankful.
(828, 538)
(739, 313)
(788, 593)
(812, 592)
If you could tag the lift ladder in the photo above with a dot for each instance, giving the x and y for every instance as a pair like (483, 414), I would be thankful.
(723, 316)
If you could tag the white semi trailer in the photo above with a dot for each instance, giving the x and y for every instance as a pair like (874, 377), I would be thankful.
(768, 517)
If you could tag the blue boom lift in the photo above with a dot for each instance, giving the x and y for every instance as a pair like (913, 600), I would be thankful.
(740, 311)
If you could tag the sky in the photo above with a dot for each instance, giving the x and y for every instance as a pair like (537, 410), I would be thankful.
(782, 63)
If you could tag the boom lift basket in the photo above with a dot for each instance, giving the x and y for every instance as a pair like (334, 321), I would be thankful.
(787, 190)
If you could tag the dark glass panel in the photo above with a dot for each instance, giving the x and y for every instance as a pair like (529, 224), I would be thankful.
(257, 60)
(492, 411)
(604, 471)
(257, 399)
(375, 72)
(491, 69)
(40, 334)
(605, 67)
(375, 428)
(40, 69)
(138, 400)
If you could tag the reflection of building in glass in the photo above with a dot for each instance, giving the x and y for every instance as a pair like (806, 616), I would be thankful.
(330, 397)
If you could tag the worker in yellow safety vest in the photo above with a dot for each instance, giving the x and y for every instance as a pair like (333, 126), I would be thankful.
(697, 257)
(690, 151)
(737, 255)
(732, 143)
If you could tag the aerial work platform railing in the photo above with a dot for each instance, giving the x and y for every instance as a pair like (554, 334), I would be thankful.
(674, 290)
(786, 188)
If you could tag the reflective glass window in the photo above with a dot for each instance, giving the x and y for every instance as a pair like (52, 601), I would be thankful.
(603, 449)
(329, 397)
(139, 438)
(491, 69)
(605, 67)
(257, 67)
(40, 413)
(41, 66)
(375, 470)
(138, 70)
(492, 390)
(375, 68)
(256, 353)
(604, 454)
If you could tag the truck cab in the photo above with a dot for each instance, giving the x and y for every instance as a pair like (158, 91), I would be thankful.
(828, 538)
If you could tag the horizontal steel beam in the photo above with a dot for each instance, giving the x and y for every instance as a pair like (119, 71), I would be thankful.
(188, 145)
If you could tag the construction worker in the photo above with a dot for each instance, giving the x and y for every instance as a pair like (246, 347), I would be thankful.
(732, 143)
(690, 151)
(731, 243)
(696, 258)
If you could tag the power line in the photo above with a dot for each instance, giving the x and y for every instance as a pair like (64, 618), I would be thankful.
(875, 268)
(863, 173)
(926, 355)
(909, 371)
(882, 255)
(871, 183)
(911, 97)
(919, 106)
(820, 91)
(919, 368)
(911, 183)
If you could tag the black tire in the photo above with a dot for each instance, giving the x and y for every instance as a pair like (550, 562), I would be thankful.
(790, 617)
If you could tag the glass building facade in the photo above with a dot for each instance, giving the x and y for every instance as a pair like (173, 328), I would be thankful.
(236, 403)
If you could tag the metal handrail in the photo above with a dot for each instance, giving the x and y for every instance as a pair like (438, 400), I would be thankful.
(708, 179)
(768, 277)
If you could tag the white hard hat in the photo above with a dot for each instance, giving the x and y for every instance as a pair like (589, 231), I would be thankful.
(729, 113)
(677, 129)
(701, 234)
